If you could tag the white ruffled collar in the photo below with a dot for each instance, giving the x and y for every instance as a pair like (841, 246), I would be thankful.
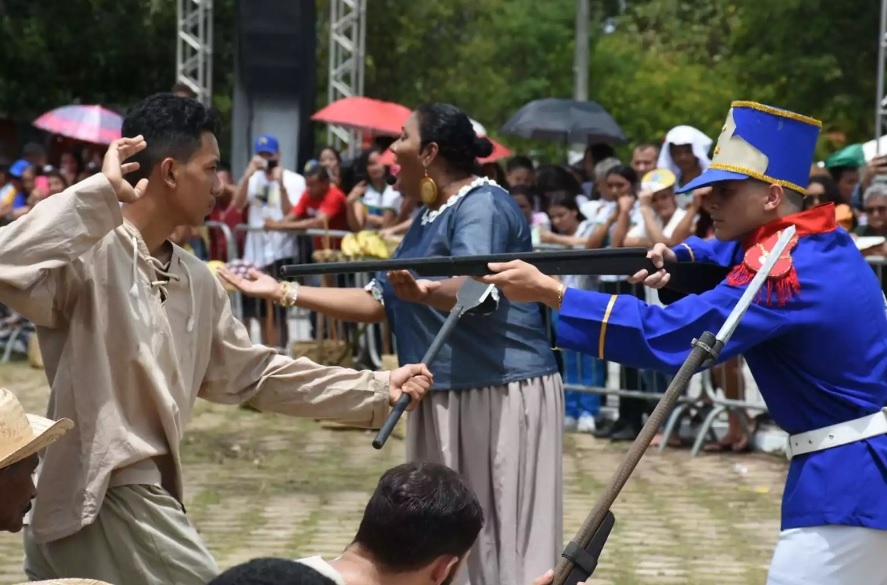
(430, 215)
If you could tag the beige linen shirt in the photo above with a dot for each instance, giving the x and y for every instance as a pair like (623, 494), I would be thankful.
(127, 366)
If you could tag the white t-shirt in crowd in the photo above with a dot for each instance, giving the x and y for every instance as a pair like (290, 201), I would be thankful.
(324, 568)
(583, 282)
(263, 198)
(378, 203)
(651, 295)
(605, 211)
(590, 209)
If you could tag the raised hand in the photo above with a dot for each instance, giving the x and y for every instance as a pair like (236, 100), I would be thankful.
(256, 163)
(625, 203)
(114, 168)
(357, 192)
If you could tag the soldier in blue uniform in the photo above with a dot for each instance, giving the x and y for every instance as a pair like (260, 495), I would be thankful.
(815, 339)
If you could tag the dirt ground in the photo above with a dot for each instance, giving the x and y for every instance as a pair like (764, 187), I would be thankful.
(260, 485)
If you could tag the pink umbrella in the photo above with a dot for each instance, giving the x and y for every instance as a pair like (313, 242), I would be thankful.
(88, 123)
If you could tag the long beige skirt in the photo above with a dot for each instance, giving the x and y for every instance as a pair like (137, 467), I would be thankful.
(507, 442)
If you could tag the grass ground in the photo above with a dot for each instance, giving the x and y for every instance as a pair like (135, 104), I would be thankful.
(259, 485)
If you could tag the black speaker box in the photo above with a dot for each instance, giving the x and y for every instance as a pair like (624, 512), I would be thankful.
(277, 42)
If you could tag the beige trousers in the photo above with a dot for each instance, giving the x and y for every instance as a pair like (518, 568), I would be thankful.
(141, 537)
(507, 442)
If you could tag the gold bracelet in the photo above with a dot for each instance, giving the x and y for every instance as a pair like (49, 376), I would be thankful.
(560, 295)
(284, 294)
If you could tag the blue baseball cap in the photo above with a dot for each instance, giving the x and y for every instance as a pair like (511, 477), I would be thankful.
(19, 167)
(267, 143)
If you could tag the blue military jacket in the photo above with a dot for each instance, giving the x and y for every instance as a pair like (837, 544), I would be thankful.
(818, 352)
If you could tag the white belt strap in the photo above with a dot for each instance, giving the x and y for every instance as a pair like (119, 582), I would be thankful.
(845, 433)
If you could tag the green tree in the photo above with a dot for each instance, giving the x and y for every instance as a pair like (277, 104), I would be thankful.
(814, 56)
(87, 51)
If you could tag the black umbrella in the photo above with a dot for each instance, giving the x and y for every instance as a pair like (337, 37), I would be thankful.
(564, 121)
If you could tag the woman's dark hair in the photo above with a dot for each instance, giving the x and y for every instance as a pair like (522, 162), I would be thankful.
(335, 152)
(566, 200)
(551, 178)
(626, 172)
(363, 161)
(831, 194)
(457, 143)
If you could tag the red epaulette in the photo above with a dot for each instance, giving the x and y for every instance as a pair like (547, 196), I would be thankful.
(783, 279)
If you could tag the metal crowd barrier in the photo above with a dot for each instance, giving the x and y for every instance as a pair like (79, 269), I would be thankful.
(298, 323)
(703, 397)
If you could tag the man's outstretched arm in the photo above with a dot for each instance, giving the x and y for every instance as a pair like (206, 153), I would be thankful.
(240, 372)
(623, 329)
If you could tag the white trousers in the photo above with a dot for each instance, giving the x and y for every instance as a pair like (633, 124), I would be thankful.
(830, 555)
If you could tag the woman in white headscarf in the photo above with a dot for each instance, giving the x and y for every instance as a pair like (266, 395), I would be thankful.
(685, 153)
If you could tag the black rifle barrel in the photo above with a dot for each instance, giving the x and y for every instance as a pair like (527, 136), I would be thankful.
(686, 278)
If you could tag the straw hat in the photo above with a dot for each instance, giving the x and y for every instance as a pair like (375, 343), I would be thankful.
(22, 435)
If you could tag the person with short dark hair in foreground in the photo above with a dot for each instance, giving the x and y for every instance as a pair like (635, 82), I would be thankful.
(417, 528)
(270, 571)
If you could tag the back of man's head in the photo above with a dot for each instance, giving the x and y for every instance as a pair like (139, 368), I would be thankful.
(269, 571)
(173, 126)
(419, 513)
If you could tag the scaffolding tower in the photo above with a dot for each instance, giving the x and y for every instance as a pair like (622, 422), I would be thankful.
(881, 98)
(346, 63)
(194, 53)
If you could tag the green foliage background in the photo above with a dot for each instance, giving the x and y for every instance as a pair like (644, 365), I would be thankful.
(668, 62)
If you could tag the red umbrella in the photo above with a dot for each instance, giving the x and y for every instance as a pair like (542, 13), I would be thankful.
(365, 114)
(499, 151)
(88, 123)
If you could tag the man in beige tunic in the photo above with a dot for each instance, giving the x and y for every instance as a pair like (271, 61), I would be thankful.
(132, 330)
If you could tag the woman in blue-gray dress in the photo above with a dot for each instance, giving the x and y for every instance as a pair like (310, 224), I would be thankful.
(497, 413)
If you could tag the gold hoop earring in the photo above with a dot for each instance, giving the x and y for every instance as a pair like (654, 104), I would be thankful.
(428, 189)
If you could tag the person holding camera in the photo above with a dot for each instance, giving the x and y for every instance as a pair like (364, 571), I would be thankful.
(270, 192)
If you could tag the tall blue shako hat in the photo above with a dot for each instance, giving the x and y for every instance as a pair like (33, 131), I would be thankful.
(765, 143)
